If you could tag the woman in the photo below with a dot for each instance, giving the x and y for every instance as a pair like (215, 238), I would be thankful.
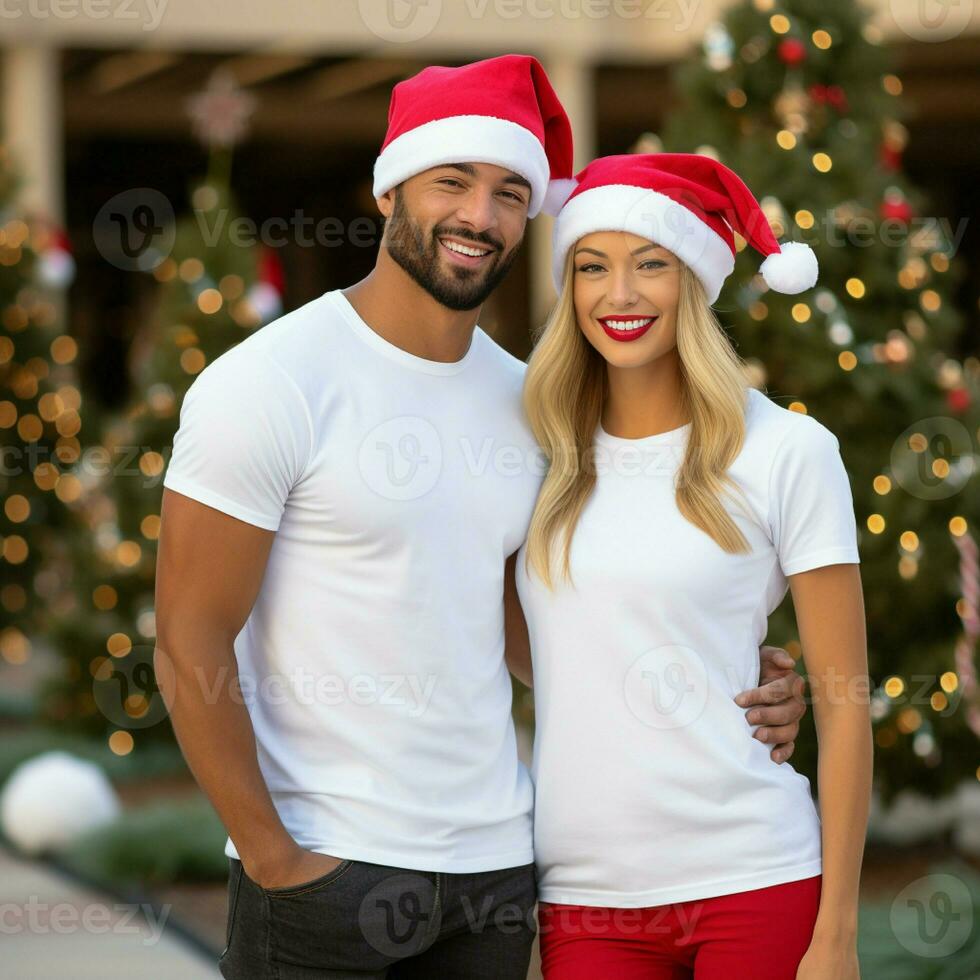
(678, 507)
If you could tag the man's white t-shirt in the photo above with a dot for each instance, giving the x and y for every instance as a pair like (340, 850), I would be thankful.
(372, 662)
(649, 787)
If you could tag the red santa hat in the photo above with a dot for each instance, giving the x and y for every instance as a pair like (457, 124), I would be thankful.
(265, 294)
(501, 111)
(690, 204)
(56, 265)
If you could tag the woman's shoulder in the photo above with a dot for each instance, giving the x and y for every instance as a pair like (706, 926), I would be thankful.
(780, 441)
(769, 425)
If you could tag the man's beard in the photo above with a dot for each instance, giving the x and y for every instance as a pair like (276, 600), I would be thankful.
(458, 289)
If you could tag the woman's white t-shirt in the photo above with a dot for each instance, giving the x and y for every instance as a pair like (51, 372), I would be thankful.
(649, 787)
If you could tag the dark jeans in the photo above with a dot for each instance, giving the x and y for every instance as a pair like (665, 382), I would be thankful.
(365, 920)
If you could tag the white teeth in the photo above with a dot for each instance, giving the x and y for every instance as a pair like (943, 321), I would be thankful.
(463, 249)
(628, 324)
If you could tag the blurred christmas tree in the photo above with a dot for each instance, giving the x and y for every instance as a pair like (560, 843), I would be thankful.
(800, 100)
(39, 418)
(214, 292)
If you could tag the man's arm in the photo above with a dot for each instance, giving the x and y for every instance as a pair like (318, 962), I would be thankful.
(777, 703)
(209, 569)
(517, 645)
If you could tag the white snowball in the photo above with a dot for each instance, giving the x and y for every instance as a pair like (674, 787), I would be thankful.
(53, 798)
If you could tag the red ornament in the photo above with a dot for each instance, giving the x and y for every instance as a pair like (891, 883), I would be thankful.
(890, 157)
(269, 269)
(791, 51)
(832, 95)
(958, 400)
(898, 209)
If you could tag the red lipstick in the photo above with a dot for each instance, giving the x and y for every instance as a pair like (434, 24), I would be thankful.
(625, 327)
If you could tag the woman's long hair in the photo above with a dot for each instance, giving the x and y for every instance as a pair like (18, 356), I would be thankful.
(565, 388)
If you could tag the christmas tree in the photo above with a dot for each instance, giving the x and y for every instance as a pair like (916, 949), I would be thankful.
(799, 98)
(40, 418)
(214, 292)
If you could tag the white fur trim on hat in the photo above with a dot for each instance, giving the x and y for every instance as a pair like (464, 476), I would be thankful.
(559, 191)
(790, 270)
(649, 214)
(465, 139)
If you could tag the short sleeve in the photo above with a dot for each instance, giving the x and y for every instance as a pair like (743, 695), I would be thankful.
(243, 440)
(811, 510)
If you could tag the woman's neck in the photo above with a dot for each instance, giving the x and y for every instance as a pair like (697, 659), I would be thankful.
(645, 401)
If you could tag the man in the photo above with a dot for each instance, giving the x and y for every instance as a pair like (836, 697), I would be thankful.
(348, 489)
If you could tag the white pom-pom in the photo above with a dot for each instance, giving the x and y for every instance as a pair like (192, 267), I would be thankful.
(56, 268)
(52, 799)
(265, 300)
(790, 270)
(558, 192)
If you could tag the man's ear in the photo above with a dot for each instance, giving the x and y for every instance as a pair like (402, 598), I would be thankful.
(386, 203)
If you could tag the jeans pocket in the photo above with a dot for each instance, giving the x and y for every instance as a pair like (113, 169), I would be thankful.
(361, 917)
(290, 891)
(234, 887)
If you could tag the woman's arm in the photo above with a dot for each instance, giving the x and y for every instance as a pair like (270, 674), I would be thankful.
(829, 608)
(517, 646)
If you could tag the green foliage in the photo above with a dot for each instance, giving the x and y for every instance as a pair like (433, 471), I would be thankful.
(871, 351)
(39, 421)
(897, 941)
(147, 761)
(203, 310)
(156, 844)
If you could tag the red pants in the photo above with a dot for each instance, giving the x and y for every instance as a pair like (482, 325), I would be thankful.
(755, 935)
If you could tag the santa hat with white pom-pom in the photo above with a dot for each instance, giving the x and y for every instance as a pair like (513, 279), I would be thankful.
(265, 294)
(688, 203)
(501, 110)
(56, 266)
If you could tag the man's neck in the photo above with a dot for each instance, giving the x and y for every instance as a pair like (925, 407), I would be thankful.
(398, 309)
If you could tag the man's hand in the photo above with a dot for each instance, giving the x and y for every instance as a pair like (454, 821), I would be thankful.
(777, 703)
(295, 867)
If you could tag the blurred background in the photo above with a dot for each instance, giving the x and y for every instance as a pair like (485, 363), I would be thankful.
(174, 175)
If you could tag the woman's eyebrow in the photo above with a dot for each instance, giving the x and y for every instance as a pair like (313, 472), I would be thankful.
(636, 251)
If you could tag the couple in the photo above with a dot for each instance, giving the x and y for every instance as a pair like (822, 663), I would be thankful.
(372, 511)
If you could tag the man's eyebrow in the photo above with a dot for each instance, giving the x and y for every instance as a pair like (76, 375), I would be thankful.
(517, 179)
(470, 171)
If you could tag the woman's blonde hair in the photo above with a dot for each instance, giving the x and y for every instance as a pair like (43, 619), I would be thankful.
(565, 388)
